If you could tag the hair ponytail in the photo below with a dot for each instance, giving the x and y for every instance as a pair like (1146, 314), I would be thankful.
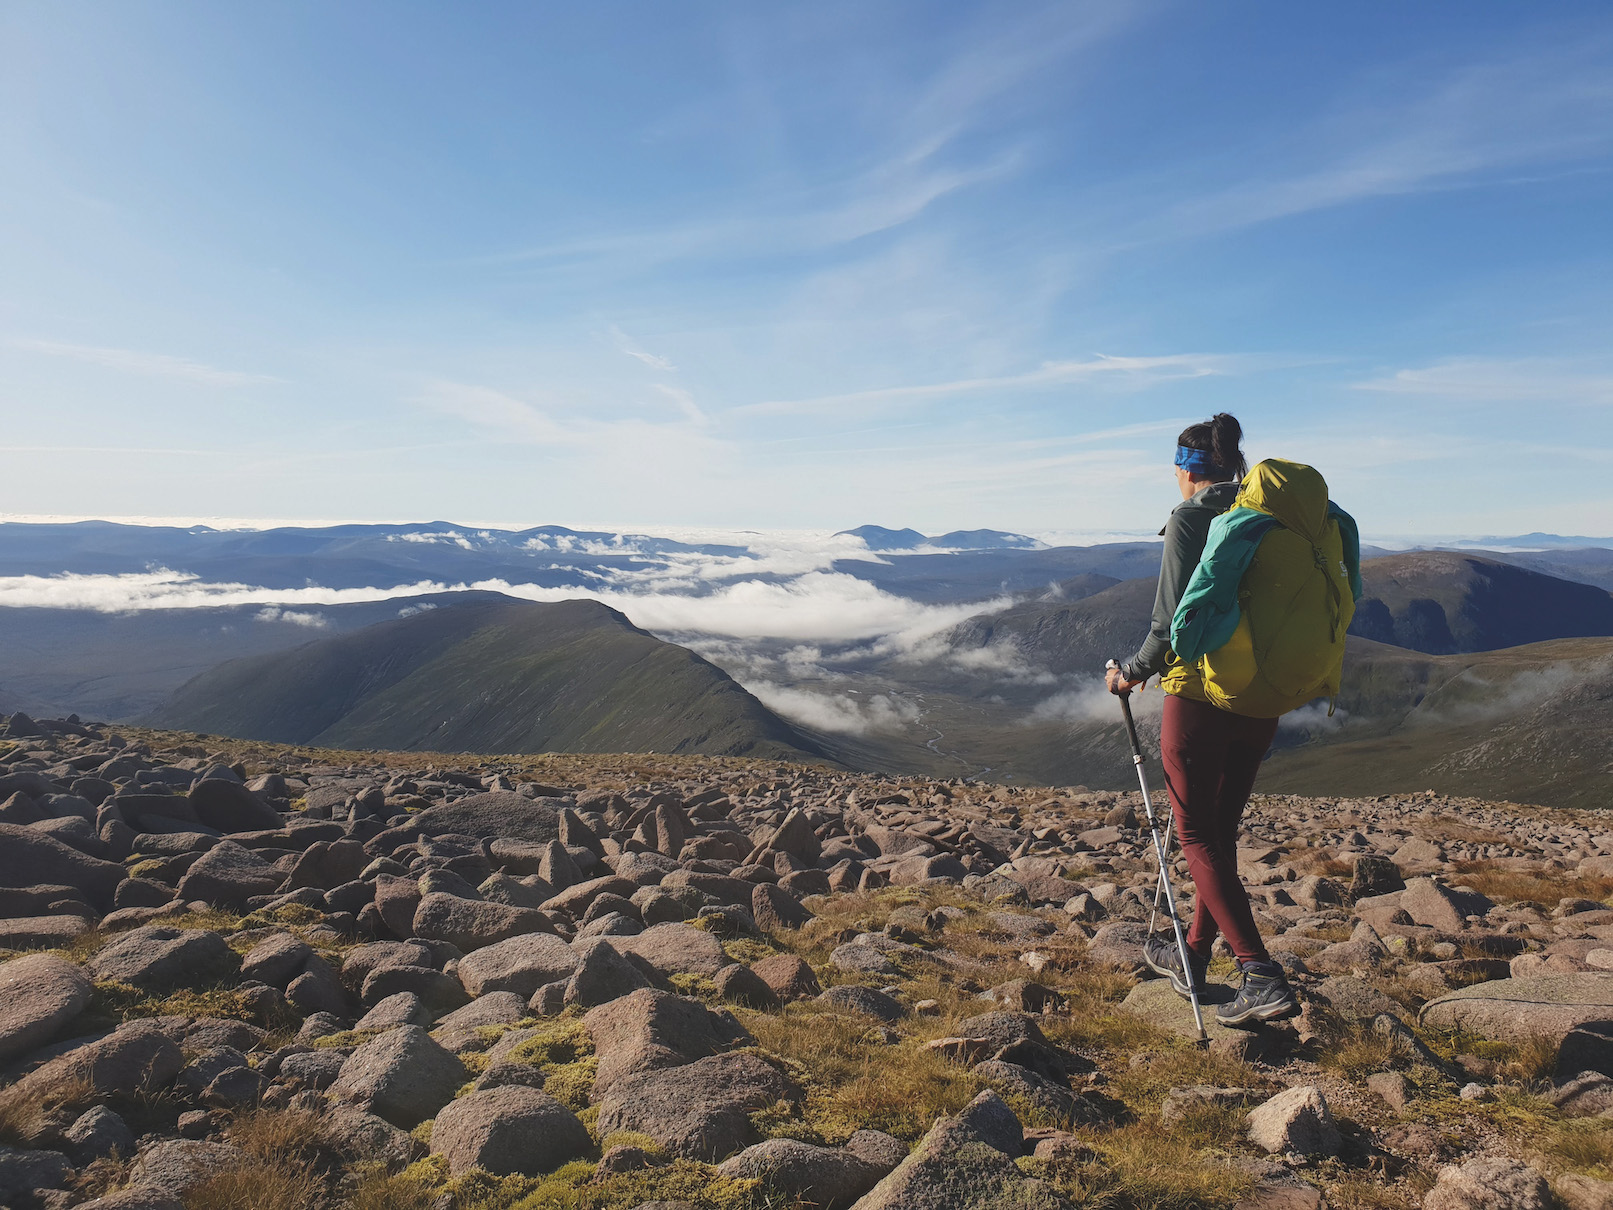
(1221, 436)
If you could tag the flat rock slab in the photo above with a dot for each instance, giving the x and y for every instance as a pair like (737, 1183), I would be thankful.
(1155, 1002)
(498, 815)
(1515, 1010)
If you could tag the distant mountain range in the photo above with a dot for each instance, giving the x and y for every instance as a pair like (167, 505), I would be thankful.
(1448, 653)
(879, 538)
(488, 675)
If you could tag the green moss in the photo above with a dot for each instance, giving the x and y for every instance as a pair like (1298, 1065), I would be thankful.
(149, 867)
(574, 1188)
(570, 1083)
(343, 1038)
(632, 1138)
(120, 1002)
(748, 950)
(422, 1133)
(699, 987)
(563, 1042)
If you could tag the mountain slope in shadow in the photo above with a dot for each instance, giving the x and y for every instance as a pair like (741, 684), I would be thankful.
(488, 675)
(1443, 603)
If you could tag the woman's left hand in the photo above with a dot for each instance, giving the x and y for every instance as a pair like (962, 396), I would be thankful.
(1117, 682)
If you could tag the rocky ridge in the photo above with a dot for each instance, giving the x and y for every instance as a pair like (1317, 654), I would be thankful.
(249, 975)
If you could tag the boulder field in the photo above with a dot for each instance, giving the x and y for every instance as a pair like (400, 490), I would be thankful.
(247, 975)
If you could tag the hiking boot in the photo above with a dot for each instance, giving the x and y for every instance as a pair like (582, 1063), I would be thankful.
(1264, 996)
(1164, 958)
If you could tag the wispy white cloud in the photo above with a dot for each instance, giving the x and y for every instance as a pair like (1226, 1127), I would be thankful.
(1136, 370)
(1499, 380)
(132, 361)
(295, 617)
(845, 713)
(627, 345)
(1472, 126)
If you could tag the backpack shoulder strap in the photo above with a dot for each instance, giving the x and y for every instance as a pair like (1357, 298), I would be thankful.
(1209, 610)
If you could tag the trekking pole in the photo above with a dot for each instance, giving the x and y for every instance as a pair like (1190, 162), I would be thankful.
(1159, 887)
(1164, 866)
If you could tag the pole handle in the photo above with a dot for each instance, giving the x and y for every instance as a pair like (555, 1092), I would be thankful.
(1125, 708)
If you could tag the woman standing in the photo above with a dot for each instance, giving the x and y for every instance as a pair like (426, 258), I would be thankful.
(1210, 755)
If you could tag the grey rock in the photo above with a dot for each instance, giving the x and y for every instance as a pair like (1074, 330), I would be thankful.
(402, 1076)
(952, 1166)
(364, 1137)
(1515, 1010)
(96, 1133)
(675, 949)
(276, 960)
(831, 1178)
(40, 994)
(473, 924)
(507, 1130)
(500, 815)
(176, 1166)
(30, 858)
(989, 1117)
(315, 1069)
(1489, 1183)
(400, 1008)
(439, 991)
(851, 998)
(1296, 1120)
(739, 984)
(23, 1171)
(229, 875)
(228, 806)
(700, 1110)
(647, 1030)
(789, 977)
(1053, 1099)
(520, 965)
(774, 908)
(602, 975)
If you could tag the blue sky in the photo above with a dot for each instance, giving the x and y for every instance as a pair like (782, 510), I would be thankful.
(806, 266)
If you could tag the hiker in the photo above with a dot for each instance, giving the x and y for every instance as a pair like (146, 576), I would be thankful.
(1221, 706)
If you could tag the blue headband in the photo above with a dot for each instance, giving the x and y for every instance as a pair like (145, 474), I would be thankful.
(1195, 462)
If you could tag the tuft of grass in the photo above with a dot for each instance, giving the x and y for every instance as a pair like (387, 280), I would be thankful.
(1145, 1167)
(1365, 1191)
(854, 1081)
(255, 1184)
(1358, 1052)
(1582, 1144)
(24, 1122)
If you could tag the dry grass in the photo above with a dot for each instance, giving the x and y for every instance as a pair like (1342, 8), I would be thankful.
(1357, 1052)
(1146, 1167)
(23, 1121)
(855, 1081)
(256, 1184)
(1516, 886)
(1368, 1191)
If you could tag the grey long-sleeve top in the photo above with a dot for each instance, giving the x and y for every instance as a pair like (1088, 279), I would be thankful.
(1185, 535)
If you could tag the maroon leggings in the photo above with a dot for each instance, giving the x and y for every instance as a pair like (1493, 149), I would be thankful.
(1211, 757)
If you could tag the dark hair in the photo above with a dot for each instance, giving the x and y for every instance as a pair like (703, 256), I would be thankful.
(1221, 435)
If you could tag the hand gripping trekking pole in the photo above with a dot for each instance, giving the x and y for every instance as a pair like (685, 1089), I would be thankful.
(1164, 866)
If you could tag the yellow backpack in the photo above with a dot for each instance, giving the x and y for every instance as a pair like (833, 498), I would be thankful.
(1261, 625)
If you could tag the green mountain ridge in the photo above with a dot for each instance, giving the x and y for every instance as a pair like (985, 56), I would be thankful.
(489, 675)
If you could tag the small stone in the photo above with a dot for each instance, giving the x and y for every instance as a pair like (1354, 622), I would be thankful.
(1296, 1121)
